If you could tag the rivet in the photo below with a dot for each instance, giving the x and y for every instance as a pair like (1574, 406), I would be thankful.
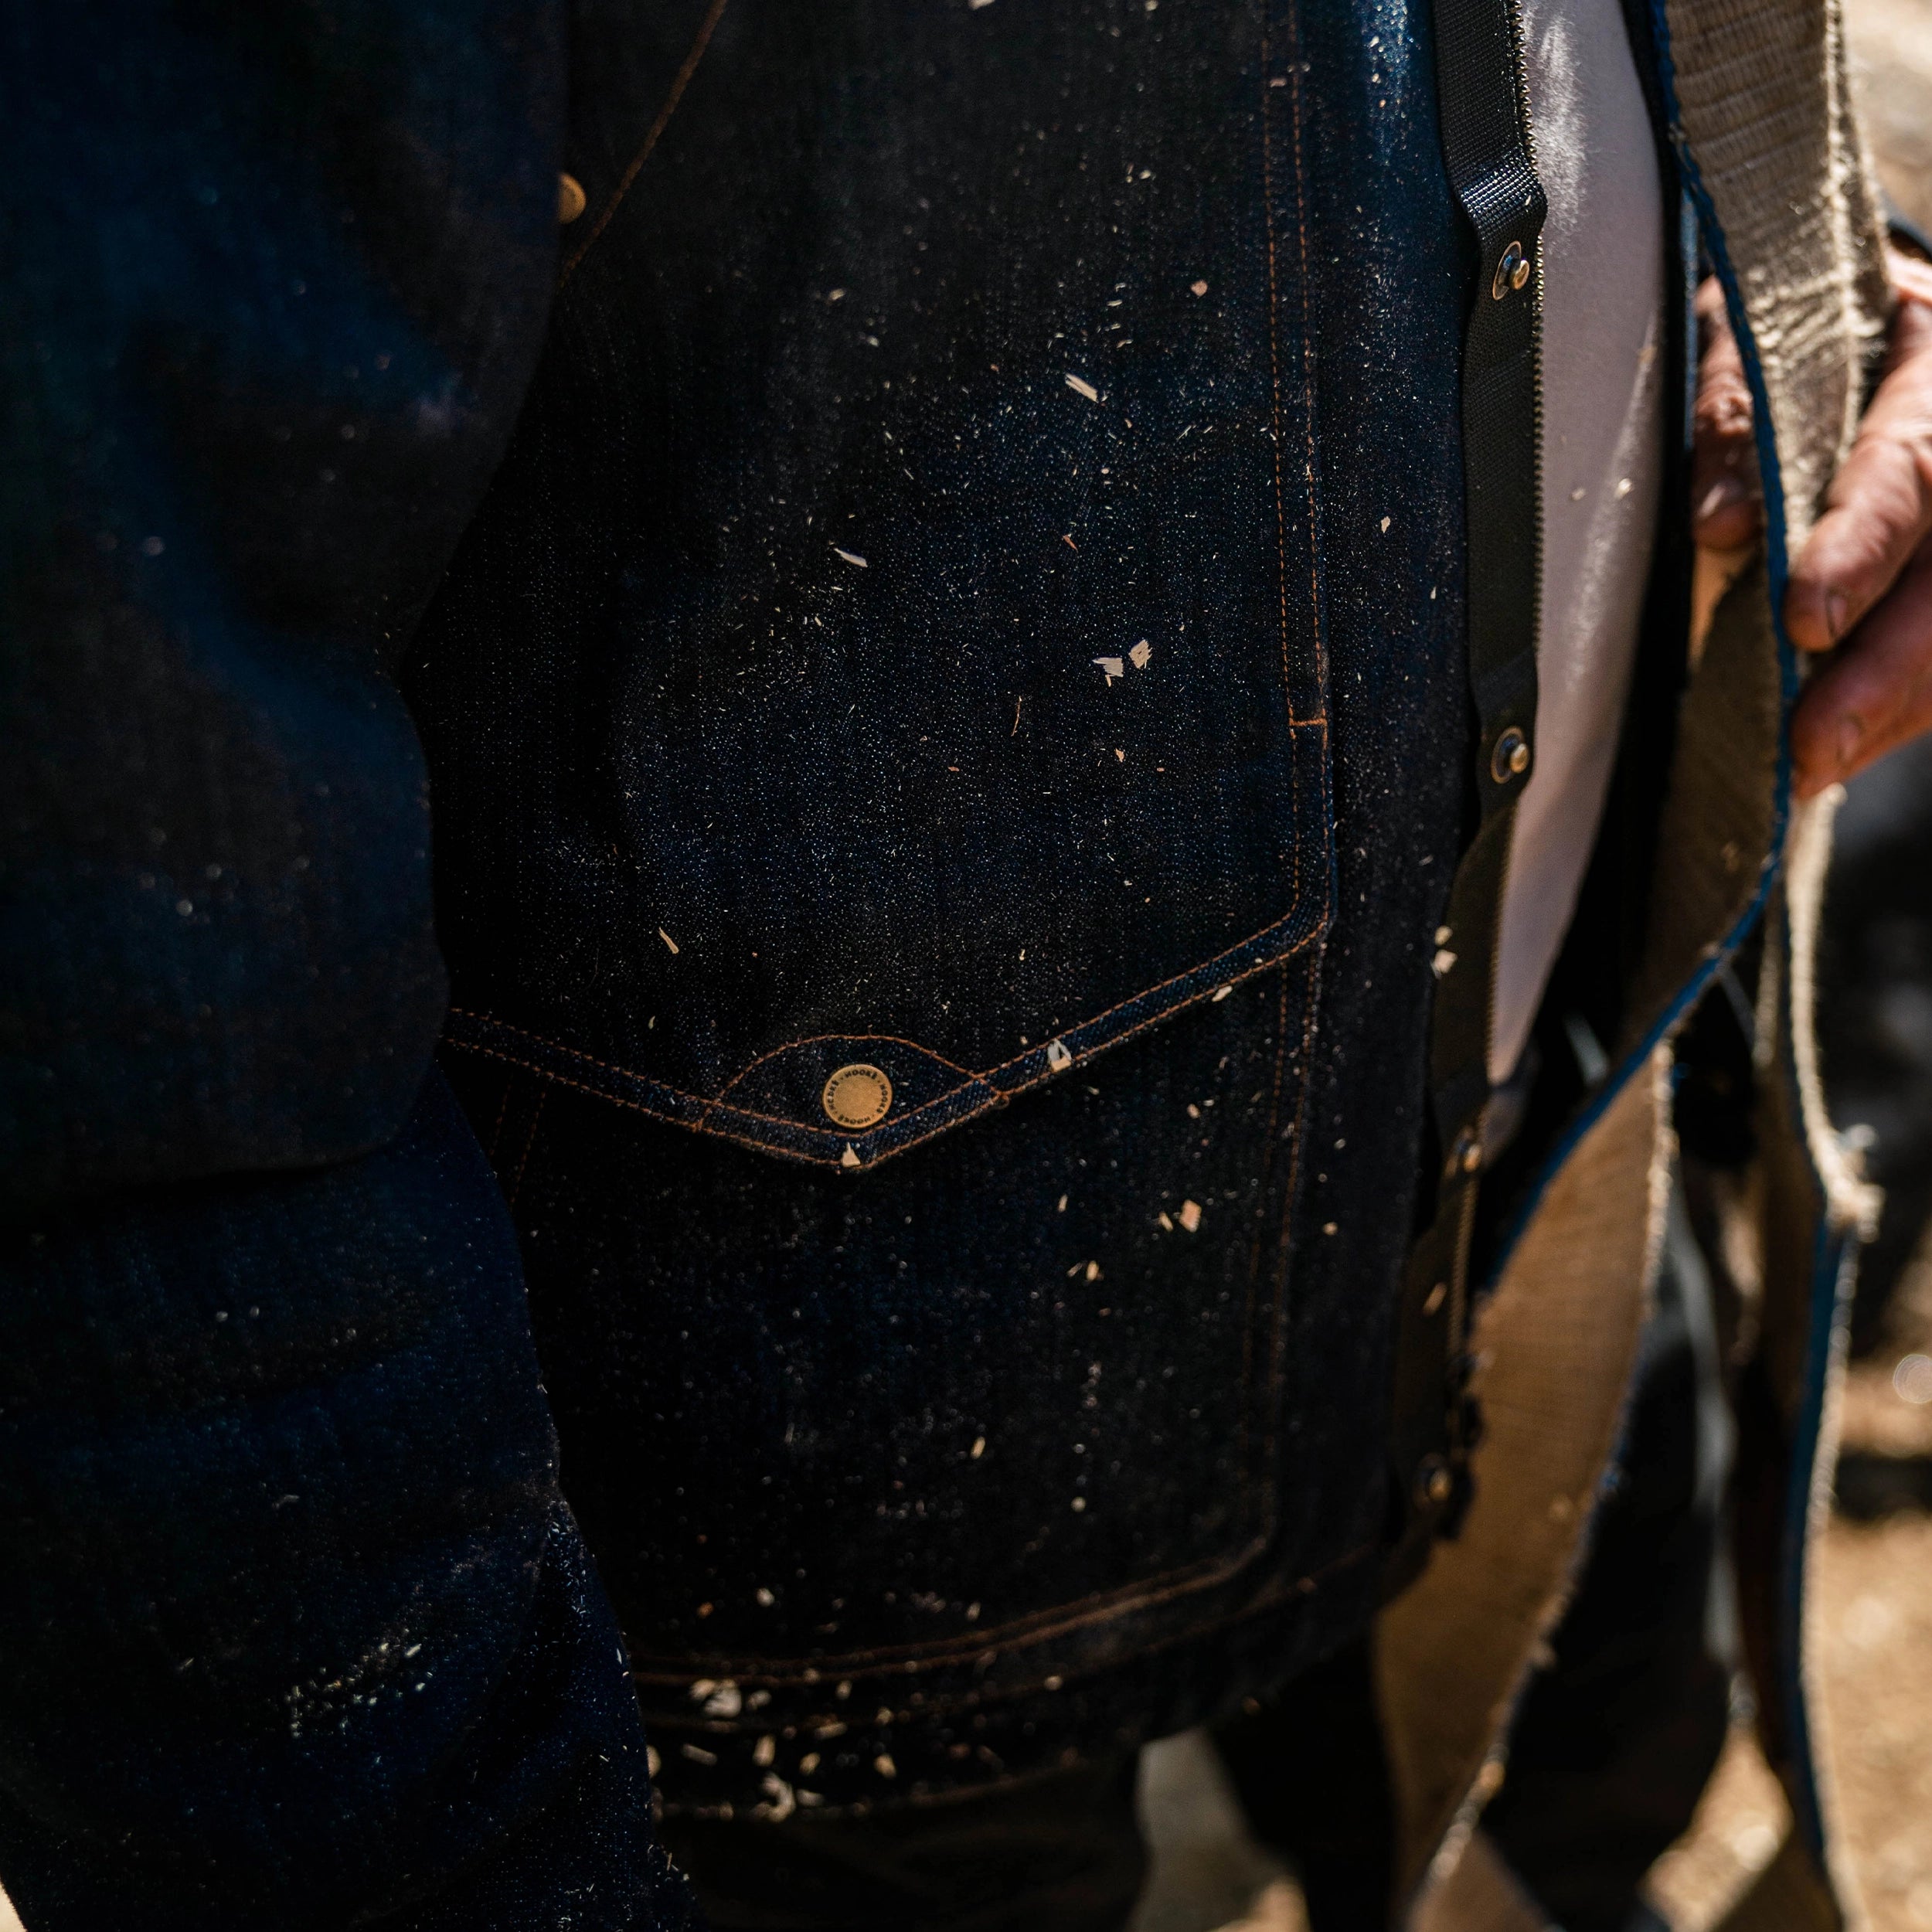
(1434, 1482)
(571, 200)
(1511, 757)
(1512, 272)
(1467, 1154)
(857, 1096)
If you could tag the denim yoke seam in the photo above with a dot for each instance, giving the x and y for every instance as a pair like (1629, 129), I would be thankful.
(680, 82)
(1147, 1592)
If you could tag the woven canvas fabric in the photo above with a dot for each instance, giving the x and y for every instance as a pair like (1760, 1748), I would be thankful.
(1761, 96)
(1555, 1345)
(1770, 150)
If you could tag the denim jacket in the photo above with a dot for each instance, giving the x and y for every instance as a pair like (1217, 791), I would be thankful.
(928, 621)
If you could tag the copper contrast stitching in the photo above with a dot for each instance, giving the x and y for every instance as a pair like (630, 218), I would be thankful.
(1254, 1251)
(623, 1073)
(859, 1663)
(1275, 357)
(757, 1144)
(1311, 1001)
(1036, 1628)
(1284, 1252)
(650, 139)
(820, 1039)
(1304, 1587)
(707, 1108)
(1308, 373)
(966, 1074)
(618, 1100)
(704, 1101)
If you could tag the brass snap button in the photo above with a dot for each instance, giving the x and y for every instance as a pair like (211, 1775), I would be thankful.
(1511, 757)
(1466, 1156)
(1434, 1482)
(1512, 272)
(857, 1095)
(570, 201)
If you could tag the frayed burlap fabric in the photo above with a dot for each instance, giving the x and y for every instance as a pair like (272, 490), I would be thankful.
(1769, 150)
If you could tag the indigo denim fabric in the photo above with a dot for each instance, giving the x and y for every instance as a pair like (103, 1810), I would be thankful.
(298, 1629)
(836, 469)
(298, 1632)
(975, 593)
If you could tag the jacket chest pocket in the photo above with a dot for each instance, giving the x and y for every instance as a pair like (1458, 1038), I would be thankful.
(895, 642)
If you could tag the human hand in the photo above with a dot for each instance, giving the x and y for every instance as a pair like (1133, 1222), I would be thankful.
(1861, 588)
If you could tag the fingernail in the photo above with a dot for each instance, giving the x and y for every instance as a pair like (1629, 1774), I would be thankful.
(1720, 496)
(1836, 604)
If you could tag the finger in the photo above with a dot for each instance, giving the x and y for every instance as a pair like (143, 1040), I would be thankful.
(1876, 694)
(1879, 508)
(1911, 276)
(1726, 504)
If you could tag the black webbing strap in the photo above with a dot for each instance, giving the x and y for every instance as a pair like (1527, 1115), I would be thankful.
(1486, 144)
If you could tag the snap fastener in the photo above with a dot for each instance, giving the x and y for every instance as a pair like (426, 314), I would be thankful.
(1512, 272)
(570, 199)
(1434, 1482)
(857, 1095)
(1511, 757)
(1466, 1155)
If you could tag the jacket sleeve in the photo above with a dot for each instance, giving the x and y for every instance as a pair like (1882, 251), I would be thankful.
(297, 1630)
